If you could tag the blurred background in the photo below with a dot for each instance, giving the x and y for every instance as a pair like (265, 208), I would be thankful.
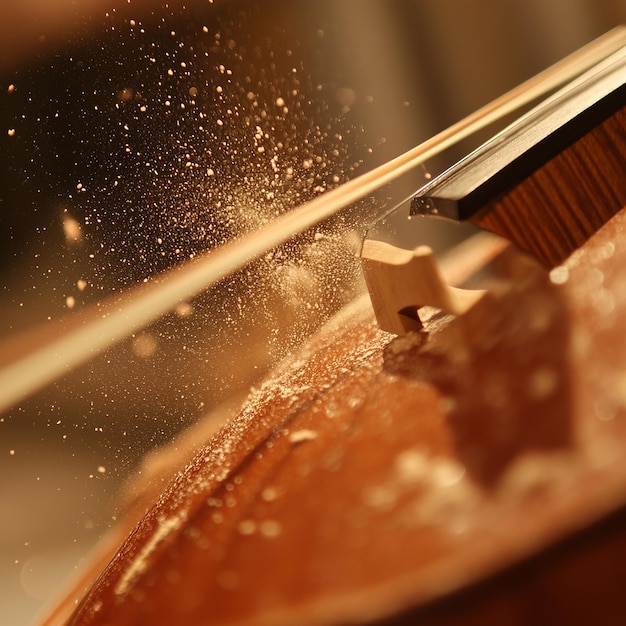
(136, 135)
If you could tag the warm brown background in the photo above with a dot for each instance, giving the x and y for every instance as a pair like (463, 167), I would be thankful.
(426, 64)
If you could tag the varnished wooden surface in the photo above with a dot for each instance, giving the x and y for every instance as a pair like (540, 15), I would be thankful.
(376, 478)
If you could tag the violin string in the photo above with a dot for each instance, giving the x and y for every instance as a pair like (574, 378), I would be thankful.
(31, 360)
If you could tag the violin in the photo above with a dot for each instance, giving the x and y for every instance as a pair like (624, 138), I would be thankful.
(427, 457)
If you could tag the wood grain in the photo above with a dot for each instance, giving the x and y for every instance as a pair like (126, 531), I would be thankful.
(558, 207)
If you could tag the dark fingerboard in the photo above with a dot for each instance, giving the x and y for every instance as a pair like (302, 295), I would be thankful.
(551, 179)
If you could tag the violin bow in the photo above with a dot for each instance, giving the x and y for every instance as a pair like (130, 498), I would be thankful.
(35, 358)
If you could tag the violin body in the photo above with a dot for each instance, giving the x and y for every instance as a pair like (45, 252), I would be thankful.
(471, 472)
